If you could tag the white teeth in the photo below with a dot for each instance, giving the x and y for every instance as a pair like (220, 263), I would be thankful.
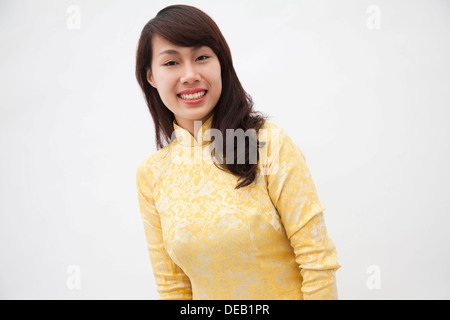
(193, 96)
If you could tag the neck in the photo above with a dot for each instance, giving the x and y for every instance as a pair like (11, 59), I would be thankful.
(189, 125)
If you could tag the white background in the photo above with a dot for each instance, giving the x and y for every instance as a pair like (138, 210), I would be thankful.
(369, 108)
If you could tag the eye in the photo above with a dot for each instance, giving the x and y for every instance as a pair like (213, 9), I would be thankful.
(170, 63)
(203, 58)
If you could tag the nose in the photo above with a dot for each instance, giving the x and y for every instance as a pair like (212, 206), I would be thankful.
(190, 74)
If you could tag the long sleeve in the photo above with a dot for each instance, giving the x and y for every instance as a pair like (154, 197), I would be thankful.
(172, 283)
(293, 192)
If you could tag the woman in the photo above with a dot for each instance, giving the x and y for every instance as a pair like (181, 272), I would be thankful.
(235, 227)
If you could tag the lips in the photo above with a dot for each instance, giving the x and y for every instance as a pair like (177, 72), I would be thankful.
(191, 91)
(192, 96)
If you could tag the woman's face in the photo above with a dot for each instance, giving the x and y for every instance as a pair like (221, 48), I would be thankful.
(177, 72)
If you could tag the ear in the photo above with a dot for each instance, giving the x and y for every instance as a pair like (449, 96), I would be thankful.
(150, 78)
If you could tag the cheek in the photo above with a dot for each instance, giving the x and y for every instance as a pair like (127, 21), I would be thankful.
(165, 84)
(216, 77)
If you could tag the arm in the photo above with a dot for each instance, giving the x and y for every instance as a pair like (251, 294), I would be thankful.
(172, 283)
(292, 191)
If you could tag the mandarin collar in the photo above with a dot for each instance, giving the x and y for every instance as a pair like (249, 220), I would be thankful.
(185, 138)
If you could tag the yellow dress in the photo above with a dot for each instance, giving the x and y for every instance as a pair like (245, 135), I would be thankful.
(207, 240)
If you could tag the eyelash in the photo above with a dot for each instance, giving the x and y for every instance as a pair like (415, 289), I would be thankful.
(171, 65)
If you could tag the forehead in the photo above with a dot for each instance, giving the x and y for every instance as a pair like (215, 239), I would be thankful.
(159, 42)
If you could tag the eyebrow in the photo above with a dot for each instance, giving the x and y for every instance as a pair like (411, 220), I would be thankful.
(171, 51)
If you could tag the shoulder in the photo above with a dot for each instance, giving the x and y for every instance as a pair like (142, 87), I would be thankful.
(150, 169)
(270, 125)
(272, 133)
(278, 141)
(274, 129)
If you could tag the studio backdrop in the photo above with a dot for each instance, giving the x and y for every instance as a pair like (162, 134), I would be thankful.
(362, 87)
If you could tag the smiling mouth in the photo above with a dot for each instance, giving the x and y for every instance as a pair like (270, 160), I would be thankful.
(193, 96)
